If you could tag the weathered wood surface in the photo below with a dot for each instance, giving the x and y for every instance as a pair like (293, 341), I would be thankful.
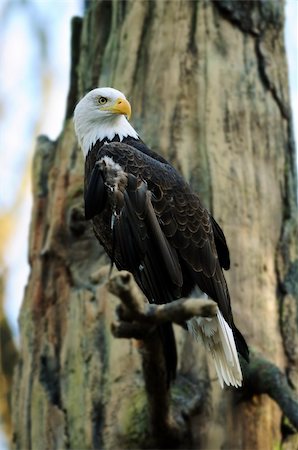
(208, 87)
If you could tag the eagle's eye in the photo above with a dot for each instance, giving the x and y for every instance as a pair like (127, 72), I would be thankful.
(102, 100)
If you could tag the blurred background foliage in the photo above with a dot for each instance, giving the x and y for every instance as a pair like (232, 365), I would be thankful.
(35, 63)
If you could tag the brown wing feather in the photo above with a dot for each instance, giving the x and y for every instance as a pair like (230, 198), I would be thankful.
(144, 247)
(183, 221)
(191, 233)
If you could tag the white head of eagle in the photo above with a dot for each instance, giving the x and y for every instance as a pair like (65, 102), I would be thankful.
(101, 115)
(152, 224)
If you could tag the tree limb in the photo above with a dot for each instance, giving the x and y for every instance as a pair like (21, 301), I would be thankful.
(138, 320)
(137, 307)
(263, 377)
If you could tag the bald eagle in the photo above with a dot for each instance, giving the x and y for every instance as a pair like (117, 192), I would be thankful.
(152, 224)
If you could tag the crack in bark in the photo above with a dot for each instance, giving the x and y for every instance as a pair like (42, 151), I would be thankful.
(284, 110)
(192, 43)
(98, 413)
(66, 428)
(242, 16)
(141, 59)
(72, 97)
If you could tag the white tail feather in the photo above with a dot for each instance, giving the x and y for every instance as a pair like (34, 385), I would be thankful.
(218, 338)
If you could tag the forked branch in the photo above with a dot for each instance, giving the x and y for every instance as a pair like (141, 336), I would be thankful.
(136, 306)
(139, 319)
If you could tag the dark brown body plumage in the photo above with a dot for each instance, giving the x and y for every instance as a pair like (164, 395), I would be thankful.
(163, 235)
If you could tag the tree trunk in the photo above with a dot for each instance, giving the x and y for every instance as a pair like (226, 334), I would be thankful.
(208, 86)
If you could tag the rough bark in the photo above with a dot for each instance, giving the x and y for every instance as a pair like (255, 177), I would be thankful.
(208, 86)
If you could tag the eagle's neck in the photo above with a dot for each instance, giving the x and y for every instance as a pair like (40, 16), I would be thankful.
(105, 130)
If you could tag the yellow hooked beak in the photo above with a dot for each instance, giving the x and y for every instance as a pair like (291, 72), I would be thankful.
(121, 106)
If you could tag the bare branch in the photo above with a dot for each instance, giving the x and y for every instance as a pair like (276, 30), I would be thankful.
(131, 330)
(137, 307)
(165, 430)
(263, 377)
(140, 320)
